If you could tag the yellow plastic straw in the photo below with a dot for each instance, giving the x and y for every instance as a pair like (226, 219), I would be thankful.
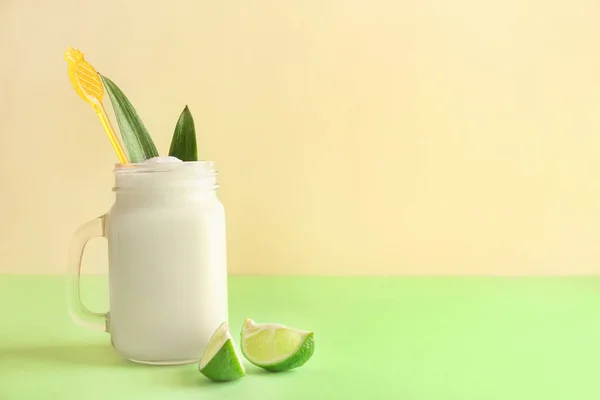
(88, 86)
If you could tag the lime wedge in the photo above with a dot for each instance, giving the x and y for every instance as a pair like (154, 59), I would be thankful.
(276, 347)
(220, 361)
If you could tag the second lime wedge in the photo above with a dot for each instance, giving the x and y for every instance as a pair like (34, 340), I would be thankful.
(276, 347)
(220, 361)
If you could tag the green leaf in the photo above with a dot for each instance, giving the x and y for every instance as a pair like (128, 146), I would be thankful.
(136, 139)
(183, 144)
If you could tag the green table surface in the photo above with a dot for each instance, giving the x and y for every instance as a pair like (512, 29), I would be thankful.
(420, 338)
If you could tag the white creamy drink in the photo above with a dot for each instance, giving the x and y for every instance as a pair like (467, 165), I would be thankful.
(167, 257)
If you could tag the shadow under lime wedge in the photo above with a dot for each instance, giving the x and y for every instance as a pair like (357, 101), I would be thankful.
(276, 347)
(220, 361)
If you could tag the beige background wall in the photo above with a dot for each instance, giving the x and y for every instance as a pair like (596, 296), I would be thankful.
(352, 137)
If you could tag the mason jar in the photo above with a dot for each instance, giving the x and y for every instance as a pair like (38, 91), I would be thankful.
(167, 262)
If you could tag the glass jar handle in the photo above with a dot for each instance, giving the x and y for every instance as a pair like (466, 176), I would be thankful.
(80, 313)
